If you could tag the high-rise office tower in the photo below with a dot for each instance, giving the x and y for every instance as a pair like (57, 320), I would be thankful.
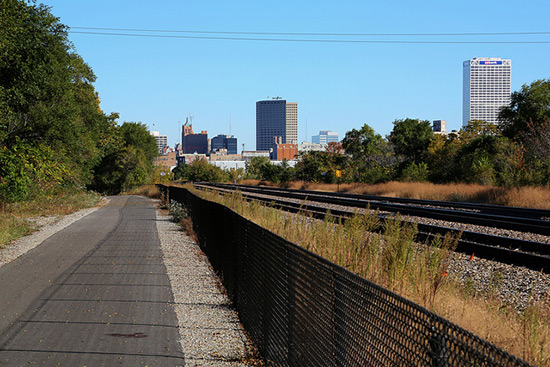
(276, 118)
(439, 126)
(228, 142)
(162, 141)
(193, 143)
(486, 88)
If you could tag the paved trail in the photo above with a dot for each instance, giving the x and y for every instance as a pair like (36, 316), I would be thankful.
(94, 294)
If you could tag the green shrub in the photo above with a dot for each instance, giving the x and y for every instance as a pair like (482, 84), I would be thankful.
(483, 172)
(177, 211)
(415, 172)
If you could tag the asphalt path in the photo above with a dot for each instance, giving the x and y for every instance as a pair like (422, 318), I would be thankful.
(94, 294)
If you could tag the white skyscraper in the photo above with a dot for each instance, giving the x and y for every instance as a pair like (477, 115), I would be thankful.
(486, 88)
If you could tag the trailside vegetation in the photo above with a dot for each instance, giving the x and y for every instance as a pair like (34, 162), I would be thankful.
(53, 134)
(389, 255)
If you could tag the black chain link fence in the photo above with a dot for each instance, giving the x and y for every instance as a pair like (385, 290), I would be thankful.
(302, 310)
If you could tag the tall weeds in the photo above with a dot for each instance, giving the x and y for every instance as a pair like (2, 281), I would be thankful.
(389, 255)
(386, 253)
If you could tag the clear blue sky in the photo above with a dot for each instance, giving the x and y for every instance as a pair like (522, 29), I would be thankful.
(338, 86)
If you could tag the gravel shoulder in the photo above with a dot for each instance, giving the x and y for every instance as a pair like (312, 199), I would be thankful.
(211, 334)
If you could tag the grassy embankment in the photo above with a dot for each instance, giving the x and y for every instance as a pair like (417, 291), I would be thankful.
(16, 218)
(417, 272)
(530, 197)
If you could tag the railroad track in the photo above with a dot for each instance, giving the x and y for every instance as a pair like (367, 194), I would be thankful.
(519, 252)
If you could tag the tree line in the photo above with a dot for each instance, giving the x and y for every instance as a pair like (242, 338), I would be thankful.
(53, 134)
(512, 153)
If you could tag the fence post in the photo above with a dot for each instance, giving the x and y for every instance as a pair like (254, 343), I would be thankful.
(163, 193)
(340, 332)
(438, 349)
(291, 299)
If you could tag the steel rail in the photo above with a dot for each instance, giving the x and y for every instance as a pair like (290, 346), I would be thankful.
(482, 208)
(530, 254)
(515, 223)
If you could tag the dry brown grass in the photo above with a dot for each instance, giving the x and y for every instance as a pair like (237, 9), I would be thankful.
(525, 334)
(416, 272)
(13, 217)
(150, 191)
(529, 197)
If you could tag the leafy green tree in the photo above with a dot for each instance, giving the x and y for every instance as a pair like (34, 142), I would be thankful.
(536, 142)
(14, 178)
(27, 171)
(312, 166)
(287, 173)
(236, 174)
(33, 70)
(531, 104)
(491, 160)
(527, 121)
(411, 138)
(47, 100)
(180, 172)
(200, 170)
(442, 153)
(255, 165)
(136, 134)
(128, 159)
(270, 172)
(162, 175)
(416, 172)
(321, 166)
(476, 128)
(372, 158)
(46, 91)
(362, 144)
(277, 172)
(133, 167)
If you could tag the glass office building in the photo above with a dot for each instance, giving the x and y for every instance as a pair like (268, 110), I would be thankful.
(276, 118)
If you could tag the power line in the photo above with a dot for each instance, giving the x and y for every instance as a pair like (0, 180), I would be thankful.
(319, 34)
(303, 40)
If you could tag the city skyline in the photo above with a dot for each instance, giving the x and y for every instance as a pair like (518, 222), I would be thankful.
(345, 65)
